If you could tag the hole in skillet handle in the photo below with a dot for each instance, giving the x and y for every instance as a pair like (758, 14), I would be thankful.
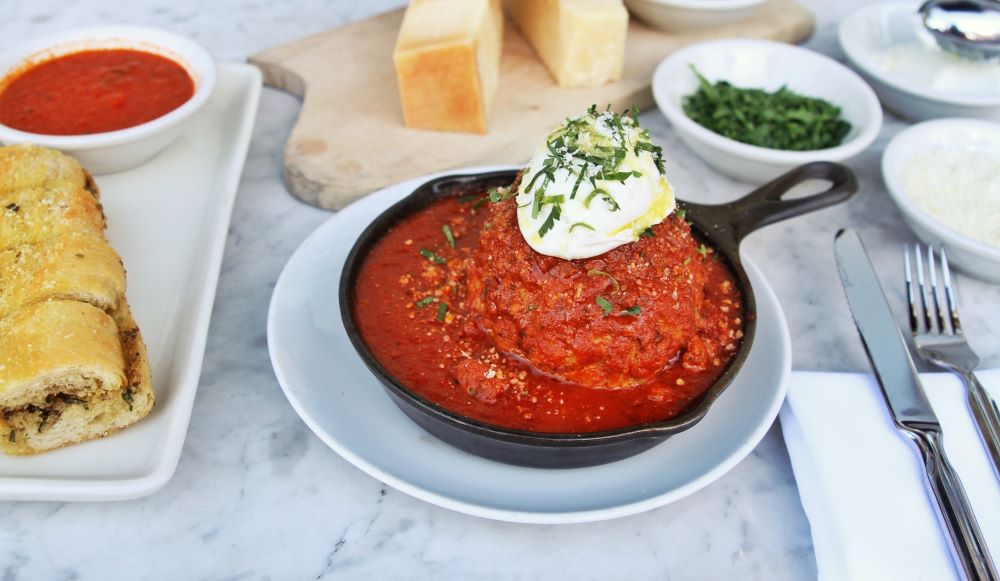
(730, 223)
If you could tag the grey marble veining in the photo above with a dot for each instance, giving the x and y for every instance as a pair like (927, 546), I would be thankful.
(257, 496)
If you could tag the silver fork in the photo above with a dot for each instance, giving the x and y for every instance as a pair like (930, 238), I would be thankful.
(937, 333)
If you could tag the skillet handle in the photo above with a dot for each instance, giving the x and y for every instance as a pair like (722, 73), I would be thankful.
(765, 205)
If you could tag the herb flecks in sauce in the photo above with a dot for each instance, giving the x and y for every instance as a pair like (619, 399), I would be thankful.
(614, 281)
(432, 257)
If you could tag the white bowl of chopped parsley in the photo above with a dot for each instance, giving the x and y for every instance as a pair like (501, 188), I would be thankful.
(754, 109)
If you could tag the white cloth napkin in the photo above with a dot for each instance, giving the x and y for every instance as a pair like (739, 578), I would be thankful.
(862, 482)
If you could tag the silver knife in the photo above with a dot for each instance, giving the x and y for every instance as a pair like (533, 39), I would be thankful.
(910, 411)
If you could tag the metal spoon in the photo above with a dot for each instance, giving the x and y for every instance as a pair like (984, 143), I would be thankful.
(969, 28)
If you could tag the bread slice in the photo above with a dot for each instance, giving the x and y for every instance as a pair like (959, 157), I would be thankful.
(447, 59)
(34, 214)
(30, 166)
(76, 266)
(69, 372)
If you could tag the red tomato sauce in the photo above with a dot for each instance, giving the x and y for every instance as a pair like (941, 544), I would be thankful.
(93, 91)
(428, 327)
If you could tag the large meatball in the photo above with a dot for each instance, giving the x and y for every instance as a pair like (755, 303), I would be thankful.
(611, 321)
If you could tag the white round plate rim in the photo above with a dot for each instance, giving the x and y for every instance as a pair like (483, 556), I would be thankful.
(776, 380)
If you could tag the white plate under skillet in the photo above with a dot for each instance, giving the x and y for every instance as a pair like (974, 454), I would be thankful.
(168, 219)
(342, 402)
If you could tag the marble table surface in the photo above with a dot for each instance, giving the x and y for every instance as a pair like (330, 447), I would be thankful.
(257, 496)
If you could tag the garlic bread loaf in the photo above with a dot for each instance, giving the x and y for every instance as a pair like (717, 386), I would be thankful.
(73, 366)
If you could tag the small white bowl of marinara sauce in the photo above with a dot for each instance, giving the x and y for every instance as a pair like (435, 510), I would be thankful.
(112, 96)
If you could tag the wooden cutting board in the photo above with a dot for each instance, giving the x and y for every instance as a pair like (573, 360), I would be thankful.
(350, 140)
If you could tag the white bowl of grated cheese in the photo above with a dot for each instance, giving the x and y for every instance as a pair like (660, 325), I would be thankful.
(945, 177)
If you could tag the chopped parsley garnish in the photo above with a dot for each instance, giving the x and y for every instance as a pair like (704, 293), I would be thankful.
(621, 176)
(576, 184)
(442, 309)
(780, 120)
(614, 281)
(448, 235)
(432, 257)
(656, 150)
(550, 221)
(607, 307)
(424, 302)
(605, 196)
(581, 225)
(647, 233)
(499, 194)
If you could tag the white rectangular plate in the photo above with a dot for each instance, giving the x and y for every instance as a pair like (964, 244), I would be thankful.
(168, 219)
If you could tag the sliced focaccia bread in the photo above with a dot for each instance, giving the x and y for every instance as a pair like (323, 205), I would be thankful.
(69, 372)
(75, 266)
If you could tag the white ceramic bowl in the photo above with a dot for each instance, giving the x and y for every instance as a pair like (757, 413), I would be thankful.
(765, 65)
(865, 37)
(687, 15)
(116, 150)
(971, 256)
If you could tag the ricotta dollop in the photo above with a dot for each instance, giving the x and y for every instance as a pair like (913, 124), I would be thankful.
(596, 183)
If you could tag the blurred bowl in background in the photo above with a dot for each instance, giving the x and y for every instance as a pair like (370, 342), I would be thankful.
(688, 15)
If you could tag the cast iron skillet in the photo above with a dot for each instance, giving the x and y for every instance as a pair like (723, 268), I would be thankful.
(722, 226)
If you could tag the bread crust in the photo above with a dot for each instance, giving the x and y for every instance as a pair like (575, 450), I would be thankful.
(30, 166)
(78, 266)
